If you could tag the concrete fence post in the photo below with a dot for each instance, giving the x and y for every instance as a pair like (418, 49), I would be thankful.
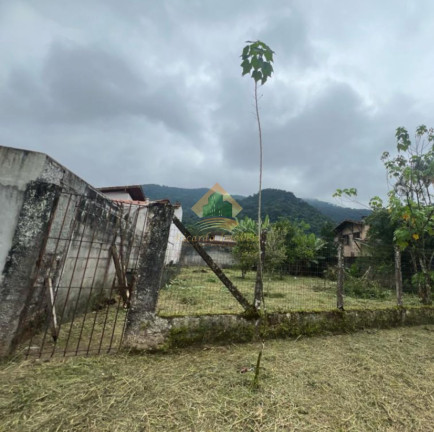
(149, 271)
(23, 261)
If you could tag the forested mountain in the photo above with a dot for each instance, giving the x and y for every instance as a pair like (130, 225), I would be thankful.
(336, 213)
(276, 203)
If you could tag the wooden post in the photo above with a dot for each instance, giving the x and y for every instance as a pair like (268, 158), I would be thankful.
(123, 287)
(398, 276)
(340, 281)
(259, 285)
(212, 265)
(53, 321)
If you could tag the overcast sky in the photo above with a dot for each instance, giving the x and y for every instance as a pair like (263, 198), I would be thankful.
(150, 91)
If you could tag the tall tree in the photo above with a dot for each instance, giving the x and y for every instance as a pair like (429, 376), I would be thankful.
(257, 62)
(411, 203)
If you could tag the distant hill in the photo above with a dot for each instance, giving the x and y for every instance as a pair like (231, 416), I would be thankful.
(336, 213)
(187, 197)
(278, 203)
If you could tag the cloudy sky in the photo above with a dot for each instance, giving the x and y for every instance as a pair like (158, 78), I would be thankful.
(150, 91)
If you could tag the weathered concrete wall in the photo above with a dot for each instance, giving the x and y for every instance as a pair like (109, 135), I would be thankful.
(220, 253)
(57, 228)
(162, 333)
(29, 187)
(176, 238)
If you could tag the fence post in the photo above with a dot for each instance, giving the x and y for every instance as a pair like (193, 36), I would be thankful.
(150, 268)
(39, 205)
(398, 275)
(340, 281)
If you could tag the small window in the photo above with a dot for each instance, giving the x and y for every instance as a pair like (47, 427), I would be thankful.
(346, 239)
(356, 235)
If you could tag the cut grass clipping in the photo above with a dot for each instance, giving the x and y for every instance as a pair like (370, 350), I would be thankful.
(367, 381)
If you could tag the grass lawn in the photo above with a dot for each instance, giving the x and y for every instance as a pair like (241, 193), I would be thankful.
(368, 381)
(196, 290)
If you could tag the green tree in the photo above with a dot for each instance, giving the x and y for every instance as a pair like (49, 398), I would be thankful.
(410, 206)
(245, 251)
(302, 249)
(249, 225)
(257, 59)
(275, 252)
(327, 234)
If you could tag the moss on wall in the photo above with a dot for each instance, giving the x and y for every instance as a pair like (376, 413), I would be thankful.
(223, 329)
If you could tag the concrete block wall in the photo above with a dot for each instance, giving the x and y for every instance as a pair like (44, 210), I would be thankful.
(56, 226)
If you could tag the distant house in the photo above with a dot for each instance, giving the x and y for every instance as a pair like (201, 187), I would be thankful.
(127, 193)
(135, 193)
(352, 233)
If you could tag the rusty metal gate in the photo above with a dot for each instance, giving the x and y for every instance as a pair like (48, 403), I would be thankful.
(84, 277)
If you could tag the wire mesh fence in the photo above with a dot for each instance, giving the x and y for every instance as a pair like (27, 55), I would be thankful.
(191, 288)
(82, 288)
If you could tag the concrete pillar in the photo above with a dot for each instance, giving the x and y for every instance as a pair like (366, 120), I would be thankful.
(20, 270)
(150, 268)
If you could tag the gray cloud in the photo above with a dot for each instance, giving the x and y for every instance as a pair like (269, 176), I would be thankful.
(147, 91)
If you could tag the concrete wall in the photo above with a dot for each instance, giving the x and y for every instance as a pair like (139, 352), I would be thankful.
(163, 333)
(176, 238)
(220, 253)
(57, 229)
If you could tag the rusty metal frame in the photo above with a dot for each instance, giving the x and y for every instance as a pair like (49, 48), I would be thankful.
(65, 320)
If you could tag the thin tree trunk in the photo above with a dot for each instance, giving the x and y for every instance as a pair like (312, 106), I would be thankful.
(426, 287)
(259, 289)
(259, 286)
(398, 276)
(340, 282)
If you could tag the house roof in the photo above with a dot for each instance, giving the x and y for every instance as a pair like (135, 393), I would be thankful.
(345, 222)
(135, 191)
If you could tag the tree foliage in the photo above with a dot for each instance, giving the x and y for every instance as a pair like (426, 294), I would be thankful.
(409, 212)
(290, 246)
(257, 61)
(245, 251)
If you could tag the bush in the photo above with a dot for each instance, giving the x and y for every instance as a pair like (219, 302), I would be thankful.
(365, 289)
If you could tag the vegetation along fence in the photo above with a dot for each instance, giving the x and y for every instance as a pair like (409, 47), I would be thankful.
(323, 282)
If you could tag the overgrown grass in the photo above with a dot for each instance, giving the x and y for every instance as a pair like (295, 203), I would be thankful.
(99, 331)
(196, 290)
(368, 381)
